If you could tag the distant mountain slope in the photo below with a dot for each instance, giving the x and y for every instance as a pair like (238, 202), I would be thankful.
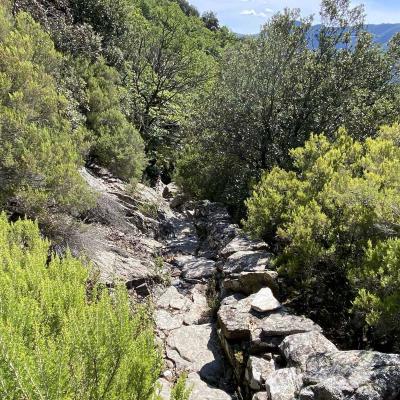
(382, 32)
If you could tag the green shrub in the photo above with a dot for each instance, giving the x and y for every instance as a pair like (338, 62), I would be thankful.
(180, 391)
(60, 340)
(40, 151)
(337, 214)
(117, 143)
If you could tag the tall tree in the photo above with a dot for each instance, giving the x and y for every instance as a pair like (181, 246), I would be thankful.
(274, 90)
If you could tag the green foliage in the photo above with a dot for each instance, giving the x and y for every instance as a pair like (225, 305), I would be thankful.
(379, 277)
(338, 213)
(41, 151)
(117, 143)
(180, 391)
(272, 91)
(60, 340)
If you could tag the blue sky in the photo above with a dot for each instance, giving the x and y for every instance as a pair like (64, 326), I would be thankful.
(246, 16)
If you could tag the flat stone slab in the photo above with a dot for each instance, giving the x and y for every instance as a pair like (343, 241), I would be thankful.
(198, 269)
(199, 346)
(242, 243)
(234, 317)
(202, 391)
(367, 374)
(283, 324)
(299, 347)
(257, 371)
(199, 311)
(247, 261)
(265, 301)
(172, 299)
(165, 321)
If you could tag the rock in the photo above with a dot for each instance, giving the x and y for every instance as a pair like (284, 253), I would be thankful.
(166, 321)
(331, 389)
(247, 261)
(171, 298)
(257, 371)
(198, 345)
(367, 374)
(184, 245)
(265, 301)
(202, 391)
(165, 389)
(242, 243)
(261, 396)
(283, 384)
(234, 317)
(168, 375)
(198, 269)
(260, 343)
(180, 260)
(297, 348)
(199, 311)
(283, 324)
(306, 394)
(251, 282)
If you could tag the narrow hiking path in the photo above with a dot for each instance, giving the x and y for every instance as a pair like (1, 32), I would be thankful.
(183, 317)
(156, 251)
(191, 261)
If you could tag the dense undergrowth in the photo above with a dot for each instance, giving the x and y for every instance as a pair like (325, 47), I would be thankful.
(62, 336)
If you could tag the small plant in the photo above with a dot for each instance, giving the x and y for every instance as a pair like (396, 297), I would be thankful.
(180, 391)
(149, 209)
(212, 294)
(162, 272)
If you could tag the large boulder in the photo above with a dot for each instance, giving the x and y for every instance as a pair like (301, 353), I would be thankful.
(299, 347)
(198, 269)
(356, 374)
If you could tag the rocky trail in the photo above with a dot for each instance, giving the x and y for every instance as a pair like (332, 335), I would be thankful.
(218, 312)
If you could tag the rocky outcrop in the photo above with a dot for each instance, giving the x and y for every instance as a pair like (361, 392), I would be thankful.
(187, 256)
(277, 355)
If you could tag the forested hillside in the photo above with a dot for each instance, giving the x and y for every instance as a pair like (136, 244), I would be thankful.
(102, 100)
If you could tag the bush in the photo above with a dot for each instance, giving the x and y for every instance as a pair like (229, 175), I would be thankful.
(61, 340)
(40, 151)
(337, 214)
(117, 143)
